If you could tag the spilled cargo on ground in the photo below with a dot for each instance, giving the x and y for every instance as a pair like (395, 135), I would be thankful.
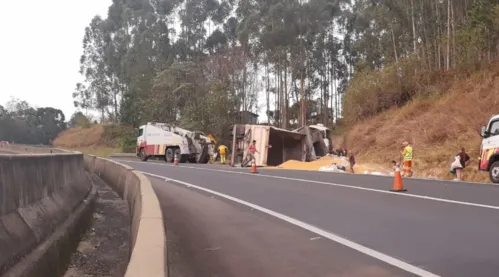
(275, 145)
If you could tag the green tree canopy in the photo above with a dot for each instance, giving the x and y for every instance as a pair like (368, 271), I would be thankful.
(21, 123)
(274, 55)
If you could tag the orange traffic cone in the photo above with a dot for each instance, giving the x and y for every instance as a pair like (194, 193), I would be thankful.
(253, 167)
(398, 185)
(175, 160)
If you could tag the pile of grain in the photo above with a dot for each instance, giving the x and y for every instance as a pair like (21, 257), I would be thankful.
(326, 161)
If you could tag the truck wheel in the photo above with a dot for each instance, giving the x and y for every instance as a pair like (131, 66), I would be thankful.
(184, 158)
(169, 155)
(177, 153)
(494, 172)
(142, 155)
(205, 161)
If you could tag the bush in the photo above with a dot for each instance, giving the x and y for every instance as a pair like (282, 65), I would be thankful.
(120, 135)
(78, 119)
(372, 92)
(128, 142)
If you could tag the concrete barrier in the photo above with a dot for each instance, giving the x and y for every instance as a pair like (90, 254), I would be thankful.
(147, 234)
(46, 202)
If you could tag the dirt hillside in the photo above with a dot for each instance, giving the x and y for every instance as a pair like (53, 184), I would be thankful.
(97, 139)
(80, 137)
(436, 127)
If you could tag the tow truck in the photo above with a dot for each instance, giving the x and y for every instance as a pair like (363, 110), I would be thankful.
(167, 141)
(489, 150)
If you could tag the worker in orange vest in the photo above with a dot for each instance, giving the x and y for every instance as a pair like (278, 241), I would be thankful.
(407, 159)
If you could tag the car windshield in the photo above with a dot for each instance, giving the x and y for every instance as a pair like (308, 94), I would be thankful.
(494, 128)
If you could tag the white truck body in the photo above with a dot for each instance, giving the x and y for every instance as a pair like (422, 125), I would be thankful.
(489, 150)
(168, 141)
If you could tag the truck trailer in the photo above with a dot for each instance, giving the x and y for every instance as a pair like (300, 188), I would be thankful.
(167, 141)
(274, 145)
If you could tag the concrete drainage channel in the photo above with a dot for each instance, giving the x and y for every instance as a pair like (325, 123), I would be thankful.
(104, 249)
(37, 239)
(147, 231)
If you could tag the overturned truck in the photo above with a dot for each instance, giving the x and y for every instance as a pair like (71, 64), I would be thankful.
(275, 145)
(316, 144)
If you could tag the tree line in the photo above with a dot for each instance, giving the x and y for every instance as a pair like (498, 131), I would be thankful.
(198, 62)
(21, 123)
(409, 48)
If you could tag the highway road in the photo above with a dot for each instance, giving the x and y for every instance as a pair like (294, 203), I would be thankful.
(229, 222)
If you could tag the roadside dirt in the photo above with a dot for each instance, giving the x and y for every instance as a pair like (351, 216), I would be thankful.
(104, 249)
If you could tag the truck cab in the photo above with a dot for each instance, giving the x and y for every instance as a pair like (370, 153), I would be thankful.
(326, 135)
(489, 150)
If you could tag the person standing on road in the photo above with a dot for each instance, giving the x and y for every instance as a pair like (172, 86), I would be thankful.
(407, 160)
(222, 149)
(395, 165)
(351, 160)
(251, 154)
(464, 159)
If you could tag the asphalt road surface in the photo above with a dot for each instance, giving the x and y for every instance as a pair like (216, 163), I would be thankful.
(361, 229)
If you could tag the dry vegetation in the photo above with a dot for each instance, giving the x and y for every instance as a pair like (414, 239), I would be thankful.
(437, 125)
(100, 140)
(80, 137)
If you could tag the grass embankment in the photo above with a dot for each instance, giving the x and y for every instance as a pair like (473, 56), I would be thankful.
(446, 112)
(99, 140)
(436, 125)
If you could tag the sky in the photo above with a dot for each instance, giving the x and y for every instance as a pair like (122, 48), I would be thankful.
(40, 49)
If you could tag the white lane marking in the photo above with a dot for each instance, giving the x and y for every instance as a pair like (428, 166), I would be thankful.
(353, 245)
(343, 186)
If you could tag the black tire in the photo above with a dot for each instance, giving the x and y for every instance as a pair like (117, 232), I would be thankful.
(183, 158)
(205, 161)
(142, 155)
(169, 155)
(177, 154)
(494, 172)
